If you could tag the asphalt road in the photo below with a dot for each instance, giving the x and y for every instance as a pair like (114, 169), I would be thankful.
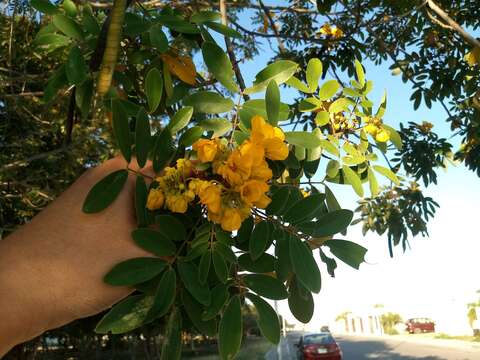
(365, 348)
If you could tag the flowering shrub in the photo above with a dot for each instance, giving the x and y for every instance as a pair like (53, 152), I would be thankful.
(239, 204)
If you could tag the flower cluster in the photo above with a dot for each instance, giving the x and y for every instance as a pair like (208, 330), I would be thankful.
(374, 127)
(332, 31)
(341, 123)
(232, 180)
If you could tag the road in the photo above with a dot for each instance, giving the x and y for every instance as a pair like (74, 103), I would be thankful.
(386, 348)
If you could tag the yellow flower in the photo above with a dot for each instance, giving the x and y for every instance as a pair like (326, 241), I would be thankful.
(332, 31)
(237, 168)
(260, 129)
(337, 33)
(252, 191)
(263, 202)
(254, 150)
(371, 129)
(275, 149)
(197, 185)
(177, 203)
(211, 197)
(206, 149)
(155, 199)
(382, 135)
(271, 138)
(231, 219)
(261, 172)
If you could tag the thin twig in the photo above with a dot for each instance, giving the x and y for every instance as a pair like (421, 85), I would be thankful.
(281, 47)
(231, 52)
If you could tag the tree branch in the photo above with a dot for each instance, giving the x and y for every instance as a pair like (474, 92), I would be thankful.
(453, 24)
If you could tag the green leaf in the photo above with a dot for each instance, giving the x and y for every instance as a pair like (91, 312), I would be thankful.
(121, 129)
(172, 344)
(70, 8)
(360, 73)
(310, 104)
(190, 136)
(230, 330)
(283, 265)
(302, 138)
(272, 100)
(353, 179)
(68, 26)
(329, 147)
(219, 65)
(322, 118)
(163, 150)
(135, 24)
(219, 298)
(372, 179)
(347, 251)
(259, 239)
(389, 174)
(332, 168)
(154, 242)
(297, 84)
(304, 209)
(165, 295)
(333, 222)
(83, 97)
(220, 266)
(328, 89)
(267, 319)
(266, 286)
(189, 275)
(104, 192)
(314, 71)
(280, 71)
(125, 316)
(153, 88)
(44, 6)
(217, 125)
(50, 42)
(340, 105)
(331, 263)
(180, 119)
(300, 302)
(89, 21)
(134, 271)
(383, 106)
(279, 201)
(203, 16)
(194, 312)
(76, 68)
(141, 195)
(177, 23)
(264, 264)
(208, 102)
(158, 39)
(171, 228)
(332, 202)
(204, 267)
(222, 29)
(394, 136)
(258, 107)
(143, 138)
(304, 265)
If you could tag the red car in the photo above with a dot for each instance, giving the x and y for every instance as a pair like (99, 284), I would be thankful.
(420, 325)
(320, 346)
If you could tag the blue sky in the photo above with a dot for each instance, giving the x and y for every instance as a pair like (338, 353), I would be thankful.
(439, 272)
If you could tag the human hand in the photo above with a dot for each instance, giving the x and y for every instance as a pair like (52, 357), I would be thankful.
(51, 269)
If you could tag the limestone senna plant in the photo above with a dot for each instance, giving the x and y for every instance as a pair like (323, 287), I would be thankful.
(240, 204)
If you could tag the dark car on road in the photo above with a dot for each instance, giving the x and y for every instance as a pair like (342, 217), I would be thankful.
(318, 346)
(419, 325)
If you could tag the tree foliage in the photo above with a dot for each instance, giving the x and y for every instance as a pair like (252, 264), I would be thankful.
(82, 79)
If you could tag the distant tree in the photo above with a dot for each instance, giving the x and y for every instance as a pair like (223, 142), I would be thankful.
(388, 321)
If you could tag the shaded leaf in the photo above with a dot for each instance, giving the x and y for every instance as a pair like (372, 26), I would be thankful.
(134, 271)
(104, 192)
